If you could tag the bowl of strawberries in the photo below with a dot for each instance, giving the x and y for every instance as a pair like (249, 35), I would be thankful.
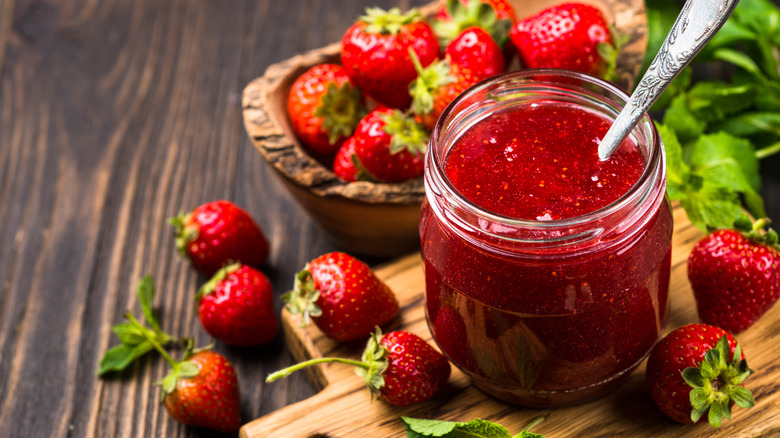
(346, 126)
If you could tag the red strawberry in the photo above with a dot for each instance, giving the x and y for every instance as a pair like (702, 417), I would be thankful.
(695, 369)
(324, 108)
(203, 391)
(566, 36)
(470, 58)
(217, 233)
(400, 367)
(735, 275)
(389, 146)
(343, 164)
(496, 17)
(375, 53)
(343, 297)
(237, 306)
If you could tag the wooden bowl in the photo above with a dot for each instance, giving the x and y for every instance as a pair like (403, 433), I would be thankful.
(378, 220)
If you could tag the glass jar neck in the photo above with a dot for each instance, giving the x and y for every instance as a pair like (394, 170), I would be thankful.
(614, 224)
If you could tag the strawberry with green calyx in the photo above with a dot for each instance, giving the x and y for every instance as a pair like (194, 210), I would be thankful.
(400, 367)
(698, 369)
(343, 297)
(735, 274)
(496, 17)
(565, 36)
(237, 306)
(217, 233)
(136, 339)
(375, 53)
(324, 107)
(470, 58)
(201, 390)
(389, 146)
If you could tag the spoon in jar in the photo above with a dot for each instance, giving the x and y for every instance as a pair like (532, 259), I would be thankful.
(697, 23)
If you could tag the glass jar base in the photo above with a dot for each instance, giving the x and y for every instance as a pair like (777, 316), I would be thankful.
(552, 399)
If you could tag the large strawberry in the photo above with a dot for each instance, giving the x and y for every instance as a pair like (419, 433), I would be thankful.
(202, 390)
(375, 53)
(400, 367)
(571, 36)
(698, 369)
(735, 274)
(389, 146)
(237, 306)
(217, 233)
(469, 58)
(343, 297)
(324, 107)
(496, 17)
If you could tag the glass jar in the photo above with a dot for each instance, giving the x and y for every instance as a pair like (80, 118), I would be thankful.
(544, 312)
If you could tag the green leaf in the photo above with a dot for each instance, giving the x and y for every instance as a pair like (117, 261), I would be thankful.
(188, 369)
(425, 427)
(146, 298)
(715, 416)
(752, 123)
(699, 397)
(121, 356)
(477, 428)
(693, 377)
(677, 170)
(740, 59)
(742, 397)
(713, 101)
(129, 334)
(696, 414)
(685, 123)
(721, 148)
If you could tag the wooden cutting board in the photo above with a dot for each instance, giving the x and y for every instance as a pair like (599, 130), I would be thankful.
(342, 408)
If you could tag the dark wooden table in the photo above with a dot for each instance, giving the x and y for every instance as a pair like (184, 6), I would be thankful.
(115, 116)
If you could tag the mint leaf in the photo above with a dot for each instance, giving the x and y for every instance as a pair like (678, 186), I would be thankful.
(146, 298)
(677, 170)
(684, 122)
(420, 427)
(722, 153)
(712, 101)
(129, 333)
(477, 428)
(120, 356)
(753, 123)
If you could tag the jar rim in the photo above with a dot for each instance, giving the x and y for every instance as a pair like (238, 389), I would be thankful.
(640, 189)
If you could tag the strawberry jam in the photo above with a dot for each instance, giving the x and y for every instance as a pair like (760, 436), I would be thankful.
(546, 269)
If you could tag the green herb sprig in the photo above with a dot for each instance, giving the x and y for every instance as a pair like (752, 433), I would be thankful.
(715, 132)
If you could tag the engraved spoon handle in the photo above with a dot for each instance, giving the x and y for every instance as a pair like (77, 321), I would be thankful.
(697, 23)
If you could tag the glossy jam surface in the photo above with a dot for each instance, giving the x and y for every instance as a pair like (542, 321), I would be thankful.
(540, 162)
(559, 327)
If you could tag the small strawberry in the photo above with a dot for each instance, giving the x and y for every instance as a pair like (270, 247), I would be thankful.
(375, 53)
(470, 58)
(343, 163)
(217, 233)
(202, 390)
(495, 17)
(324, 107)
(400, 367)
(571, 36)
(735, 274)
(343, 296)
(237, 306)
(389, 146)
(695, 369)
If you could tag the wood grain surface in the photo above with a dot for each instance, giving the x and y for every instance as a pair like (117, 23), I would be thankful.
(628, 411)
(114, 116)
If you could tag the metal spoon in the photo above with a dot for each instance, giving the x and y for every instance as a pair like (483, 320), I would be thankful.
(697, 23)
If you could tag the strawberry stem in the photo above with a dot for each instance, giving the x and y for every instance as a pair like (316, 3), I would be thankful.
(299, 366)
(152, 341)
